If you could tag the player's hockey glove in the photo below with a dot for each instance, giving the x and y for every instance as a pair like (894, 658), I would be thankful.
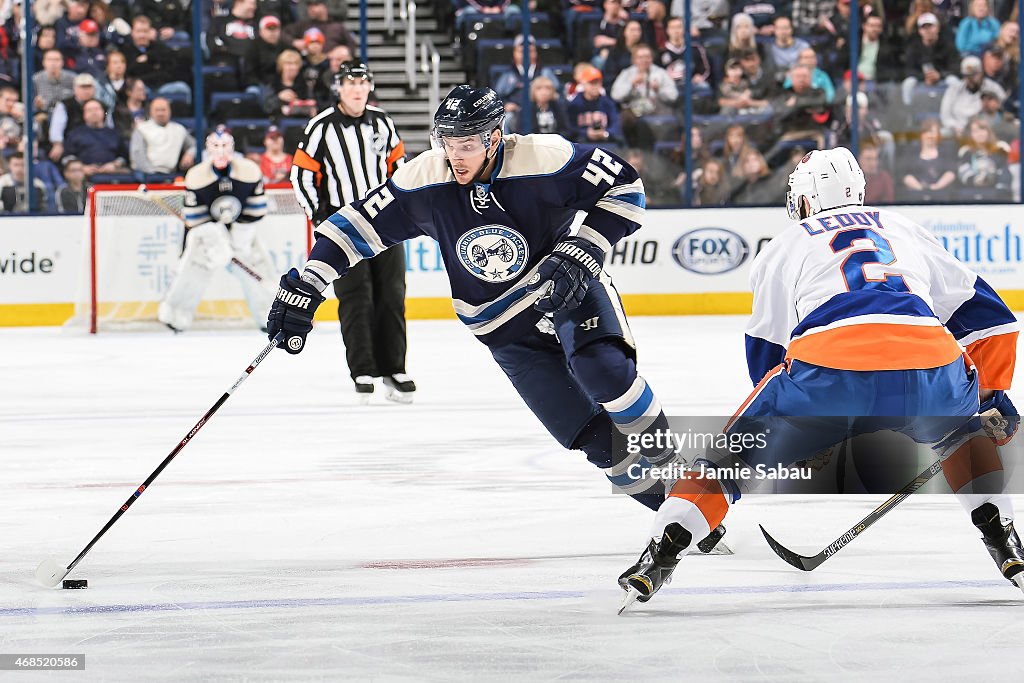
(565, 275)
(292, 312)
(999, 417)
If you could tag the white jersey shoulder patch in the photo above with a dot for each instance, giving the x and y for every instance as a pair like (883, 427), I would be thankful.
(429, 168)
(532, 155)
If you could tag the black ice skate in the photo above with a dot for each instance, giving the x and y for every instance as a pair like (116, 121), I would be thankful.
(364, 388)
(399, 388)
(655, 566)
(1002, 542)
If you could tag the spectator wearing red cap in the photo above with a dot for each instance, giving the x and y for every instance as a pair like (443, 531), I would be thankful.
(88, 57)
(315, 63)
(269, 45)
(275, 163)
(593, 116)
(68, 26)
(317, 17)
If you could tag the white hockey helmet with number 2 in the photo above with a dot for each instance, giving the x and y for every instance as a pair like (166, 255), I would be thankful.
(828, 178)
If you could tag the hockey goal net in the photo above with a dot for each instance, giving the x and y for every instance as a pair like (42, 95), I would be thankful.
(133, 239)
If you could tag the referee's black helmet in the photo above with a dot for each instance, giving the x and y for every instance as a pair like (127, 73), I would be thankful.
(352, 70)
(469, 111)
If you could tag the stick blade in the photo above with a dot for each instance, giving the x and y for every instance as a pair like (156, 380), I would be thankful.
(49, 573)
(802, 563)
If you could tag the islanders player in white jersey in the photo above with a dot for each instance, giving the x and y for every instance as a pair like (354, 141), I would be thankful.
(860, 313)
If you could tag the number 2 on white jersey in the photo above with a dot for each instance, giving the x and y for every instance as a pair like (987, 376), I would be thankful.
(880, 251)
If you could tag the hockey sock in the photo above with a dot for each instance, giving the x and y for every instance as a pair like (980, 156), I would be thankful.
(609, 375)
(975, 473)
(697, 504)
(596, 441)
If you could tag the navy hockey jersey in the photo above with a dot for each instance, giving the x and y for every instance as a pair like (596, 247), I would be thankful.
(204, 184)
(494, 235)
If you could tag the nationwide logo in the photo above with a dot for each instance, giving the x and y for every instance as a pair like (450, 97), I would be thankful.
(710, 251)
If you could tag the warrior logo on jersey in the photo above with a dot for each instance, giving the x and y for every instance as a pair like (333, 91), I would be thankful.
(493, 253)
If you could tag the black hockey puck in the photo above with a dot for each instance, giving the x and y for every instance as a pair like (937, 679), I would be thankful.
(76, 583)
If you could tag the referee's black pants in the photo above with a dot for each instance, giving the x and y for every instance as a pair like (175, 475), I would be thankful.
(371, 308)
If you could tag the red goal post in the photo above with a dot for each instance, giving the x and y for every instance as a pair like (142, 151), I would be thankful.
(133, 240)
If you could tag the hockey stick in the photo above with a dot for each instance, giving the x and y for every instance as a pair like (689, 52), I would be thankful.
(144, 193)
(810, 563)
(50, 573)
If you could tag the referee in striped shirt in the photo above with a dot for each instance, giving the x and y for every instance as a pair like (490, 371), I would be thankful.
(345, 152)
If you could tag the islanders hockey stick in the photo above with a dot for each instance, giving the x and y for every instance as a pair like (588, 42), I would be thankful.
(50, 573)
(810, 563)
(143, 193)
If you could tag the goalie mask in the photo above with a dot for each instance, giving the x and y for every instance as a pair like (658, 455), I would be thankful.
(828, 179)
(220, 147)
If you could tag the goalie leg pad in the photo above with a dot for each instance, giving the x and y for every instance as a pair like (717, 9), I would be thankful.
(178, 307)
(208, 246)
(259, 294)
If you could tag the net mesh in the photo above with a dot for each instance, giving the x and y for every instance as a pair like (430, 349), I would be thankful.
(134, 236)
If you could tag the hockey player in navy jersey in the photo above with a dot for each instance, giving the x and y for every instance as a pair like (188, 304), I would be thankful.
(861, 322)
(223, 202)
(501, 207)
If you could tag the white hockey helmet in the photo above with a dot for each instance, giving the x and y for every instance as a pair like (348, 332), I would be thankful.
(220, 147)
(828, 178)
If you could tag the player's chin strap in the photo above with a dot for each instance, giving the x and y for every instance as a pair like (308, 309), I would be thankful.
(478, 178)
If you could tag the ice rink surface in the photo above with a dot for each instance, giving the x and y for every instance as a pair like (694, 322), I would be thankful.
(302, 537)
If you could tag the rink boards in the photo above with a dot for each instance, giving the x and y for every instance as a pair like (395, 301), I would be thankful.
(682, 262)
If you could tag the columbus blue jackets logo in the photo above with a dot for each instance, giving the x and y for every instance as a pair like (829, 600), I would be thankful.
(493, 253)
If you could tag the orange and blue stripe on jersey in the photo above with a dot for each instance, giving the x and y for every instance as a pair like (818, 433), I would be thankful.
(868, 330)
(986, 327)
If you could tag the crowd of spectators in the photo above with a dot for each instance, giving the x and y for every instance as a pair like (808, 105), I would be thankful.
(937, 101)
(113, 87)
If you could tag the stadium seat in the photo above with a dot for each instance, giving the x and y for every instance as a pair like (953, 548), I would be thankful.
(485, 26)
(664, 127)
(231, 105)
(540, 26)
(248, 131)
(587, 26)
(490, 52)
(219, 78)
(551, 51)
(188, 122)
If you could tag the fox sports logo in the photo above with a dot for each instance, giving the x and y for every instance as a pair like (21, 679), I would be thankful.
(493, 253)
(710, 251)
